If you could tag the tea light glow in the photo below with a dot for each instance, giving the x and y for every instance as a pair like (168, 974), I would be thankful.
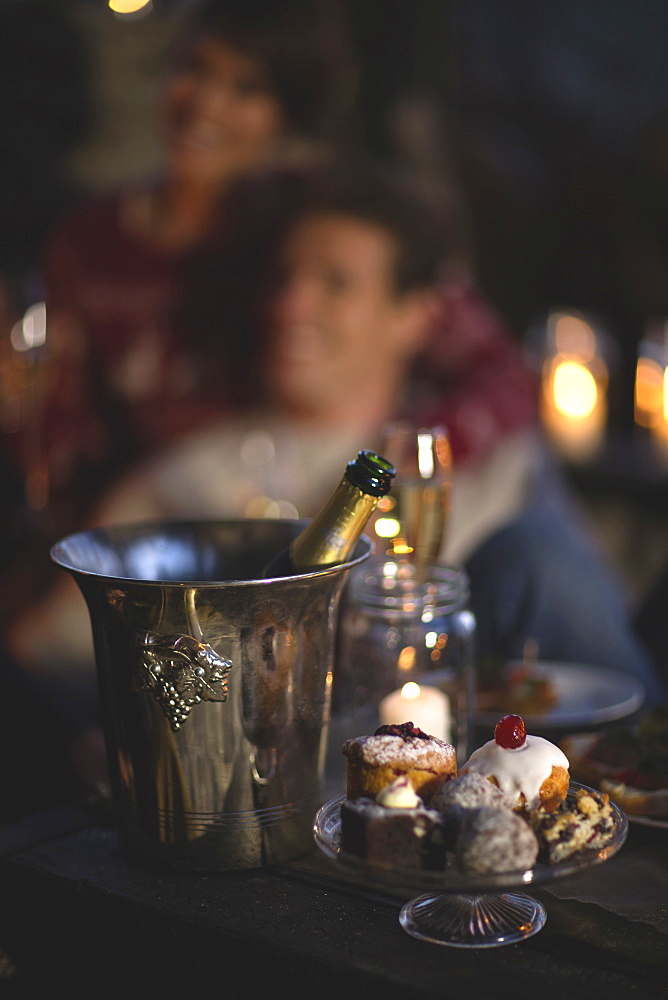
(574, 387)
(651, 392)
(426, 707)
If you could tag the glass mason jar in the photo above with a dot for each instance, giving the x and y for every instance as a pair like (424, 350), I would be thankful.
(398, 634)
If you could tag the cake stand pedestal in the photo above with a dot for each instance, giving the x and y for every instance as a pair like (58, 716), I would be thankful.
(466, 921)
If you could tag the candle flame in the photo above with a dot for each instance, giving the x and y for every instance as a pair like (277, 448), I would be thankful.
(575, 389)
(410, 690)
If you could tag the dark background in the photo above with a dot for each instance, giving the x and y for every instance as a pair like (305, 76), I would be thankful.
(548, 122)
(554, 118)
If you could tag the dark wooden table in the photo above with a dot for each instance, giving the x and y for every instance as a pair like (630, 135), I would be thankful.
(75, 915)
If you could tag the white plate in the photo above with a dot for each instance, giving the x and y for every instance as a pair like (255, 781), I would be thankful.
(586, 695)
(576, 747)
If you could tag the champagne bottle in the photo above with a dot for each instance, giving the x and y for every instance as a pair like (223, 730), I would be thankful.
(330, 537)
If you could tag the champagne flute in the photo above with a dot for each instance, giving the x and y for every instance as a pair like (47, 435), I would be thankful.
(415, 515)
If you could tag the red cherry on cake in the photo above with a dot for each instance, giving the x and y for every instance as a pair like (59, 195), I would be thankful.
(510, 732)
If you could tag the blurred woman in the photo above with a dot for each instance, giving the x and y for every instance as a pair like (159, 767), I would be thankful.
(146, 286)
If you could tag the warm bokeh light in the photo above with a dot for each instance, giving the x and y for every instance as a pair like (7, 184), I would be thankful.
(129, 6)
(406, 663)
(573, 336)
(575, 390)
(425, 455)
(574, 405)
(30, 332)
(650, 402)
(387, 527)
(650, 395)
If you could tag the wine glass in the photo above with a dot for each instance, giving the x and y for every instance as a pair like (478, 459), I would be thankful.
(412, 521)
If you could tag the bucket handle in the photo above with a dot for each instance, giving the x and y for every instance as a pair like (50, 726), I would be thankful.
(258, 778)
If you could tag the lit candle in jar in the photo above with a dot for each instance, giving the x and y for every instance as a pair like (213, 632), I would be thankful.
(574, 385)
(651, 391)
(573, 408)
(426, 707)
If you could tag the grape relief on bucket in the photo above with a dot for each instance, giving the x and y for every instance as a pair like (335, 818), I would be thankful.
(180, 671)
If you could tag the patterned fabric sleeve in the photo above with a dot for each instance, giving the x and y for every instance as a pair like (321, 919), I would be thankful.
(474, 377)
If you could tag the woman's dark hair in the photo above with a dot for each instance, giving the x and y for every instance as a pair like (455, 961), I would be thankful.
(305, 46)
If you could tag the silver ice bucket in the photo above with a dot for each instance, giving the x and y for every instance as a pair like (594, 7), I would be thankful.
(214, 686)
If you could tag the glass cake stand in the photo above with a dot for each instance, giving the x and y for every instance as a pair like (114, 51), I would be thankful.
(457, 909)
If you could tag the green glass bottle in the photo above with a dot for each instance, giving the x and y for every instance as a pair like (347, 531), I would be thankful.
(330, 537)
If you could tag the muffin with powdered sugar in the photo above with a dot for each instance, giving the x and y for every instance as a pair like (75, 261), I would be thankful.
(373, 762)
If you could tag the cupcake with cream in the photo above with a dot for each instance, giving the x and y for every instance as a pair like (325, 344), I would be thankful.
(531, 772)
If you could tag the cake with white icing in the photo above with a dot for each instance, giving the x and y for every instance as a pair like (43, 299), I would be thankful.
(530, 771)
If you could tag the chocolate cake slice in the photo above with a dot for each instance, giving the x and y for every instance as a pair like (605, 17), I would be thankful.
(408, 838)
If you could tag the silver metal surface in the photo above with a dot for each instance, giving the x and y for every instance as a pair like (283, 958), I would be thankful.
(214, 683)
